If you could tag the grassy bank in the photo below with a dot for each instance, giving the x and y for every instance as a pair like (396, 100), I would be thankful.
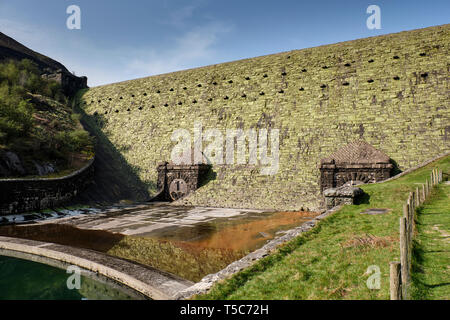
(431, 259)
(332, 260)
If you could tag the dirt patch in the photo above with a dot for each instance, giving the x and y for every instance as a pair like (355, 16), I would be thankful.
(369, 240)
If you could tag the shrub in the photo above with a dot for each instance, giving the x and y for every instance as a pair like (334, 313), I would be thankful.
(76, 140)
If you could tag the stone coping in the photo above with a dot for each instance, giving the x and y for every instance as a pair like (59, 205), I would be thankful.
(208, 281)
(90, 162)
(416, 167)
(148, 281)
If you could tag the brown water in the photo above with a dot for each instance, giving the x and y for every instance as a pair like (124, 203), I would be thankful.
(239, 234)
(189, 251)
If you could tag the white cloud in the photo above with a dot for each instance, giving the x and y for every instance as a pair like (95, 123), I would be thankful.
(103, 65)
(192, 49)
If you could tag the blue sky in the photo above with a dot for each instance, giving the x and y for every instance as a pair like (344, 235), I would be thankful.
(122, 40)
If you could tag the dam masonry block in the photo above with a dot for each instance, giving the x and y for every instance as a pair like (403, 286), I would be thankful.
(390, 91)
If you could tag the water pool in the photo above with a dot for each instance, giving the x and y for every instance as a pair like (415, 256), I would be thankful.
(22, 279)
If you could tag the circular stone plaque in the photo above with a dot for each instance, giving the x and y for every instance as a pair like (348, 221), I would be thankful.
(178, 189)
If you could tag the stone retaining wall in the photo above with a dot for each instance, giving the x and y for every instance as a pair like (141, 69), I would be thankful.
(23, 195)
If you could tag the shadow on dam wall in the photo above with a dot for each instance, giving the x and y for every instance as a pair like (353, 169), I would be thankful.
(114, 178)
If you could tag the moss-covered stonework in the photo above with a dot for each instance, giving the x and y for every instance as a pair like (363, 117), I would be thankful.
(391, 91)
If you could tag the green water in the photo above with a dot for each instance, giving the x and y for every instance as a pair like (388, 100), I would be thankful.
(28, 280)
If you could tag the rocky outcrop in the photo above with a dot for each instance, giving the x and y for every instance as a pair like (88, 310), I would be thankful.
(11, 165)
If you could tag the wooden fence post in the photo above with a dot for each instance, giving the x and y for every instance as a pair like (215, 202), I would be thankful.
(423, 193)
(417, 197)
(404, 256)
(395, 281)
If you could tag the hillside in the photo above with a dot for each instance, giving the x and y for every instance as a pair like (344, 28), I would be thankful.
(39, 133)
(10, 49)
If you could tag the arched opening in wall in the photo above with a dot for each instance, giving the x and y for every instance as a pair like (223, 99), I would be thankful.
(353, 178)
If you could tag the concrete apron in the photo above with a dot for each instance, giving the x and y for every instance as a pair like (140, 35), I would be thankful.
(150, 282)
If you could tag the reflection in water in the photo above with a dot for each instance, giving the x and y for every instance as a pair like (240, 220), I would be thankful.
(190, 251)
(240, 234)
(193, 252)
(252, 234)
(27, 280)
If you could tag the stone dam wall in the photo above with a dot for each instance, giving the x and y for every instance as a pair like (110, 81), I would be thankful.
(391, 91)
(23, 195)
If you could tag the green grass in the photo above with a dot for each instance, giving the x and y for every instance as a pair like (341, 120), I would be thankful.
(331, 260)
(431, 259)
